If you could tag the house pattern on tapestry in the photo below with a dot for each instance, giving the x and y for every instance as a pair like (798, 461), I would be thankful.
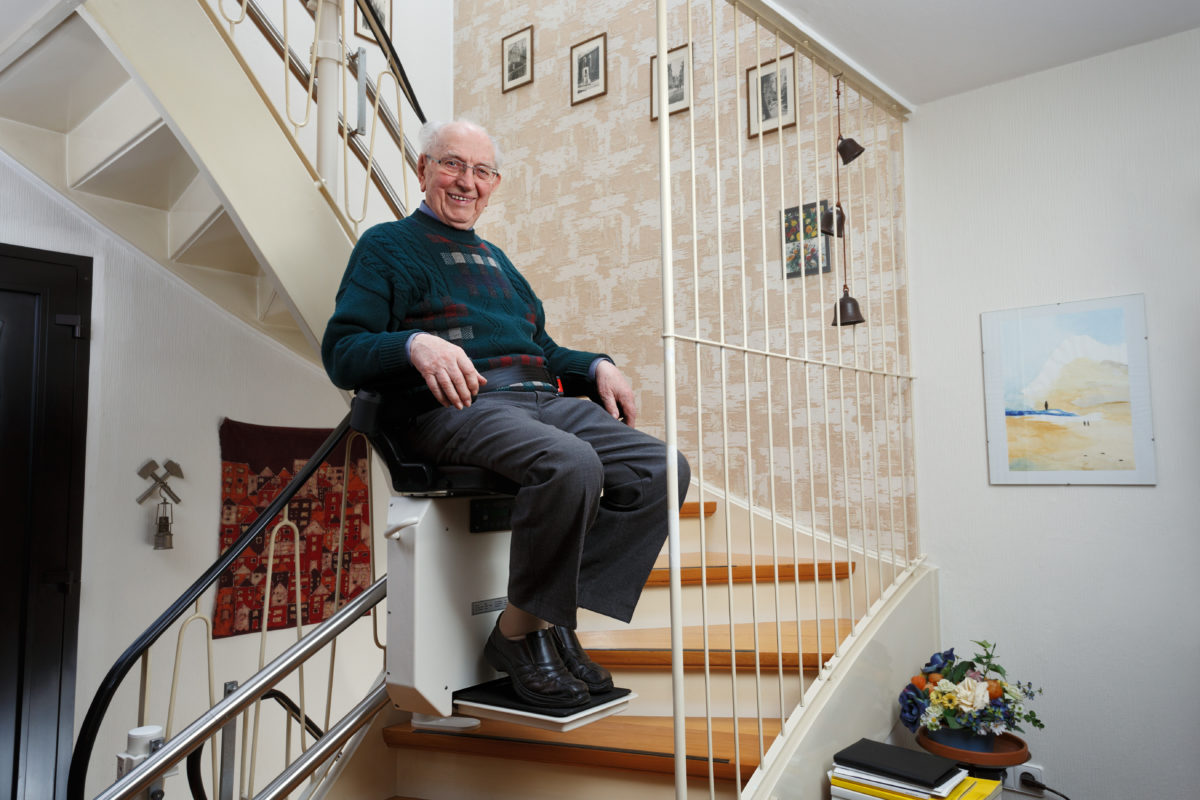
(316, 511)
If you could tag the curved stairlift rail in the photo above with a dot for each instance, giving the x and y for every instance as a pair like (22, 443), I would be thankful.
(112, 681)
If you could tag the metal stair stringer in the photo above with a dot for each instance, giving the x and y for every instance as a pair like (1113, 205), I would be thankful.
(272, 195)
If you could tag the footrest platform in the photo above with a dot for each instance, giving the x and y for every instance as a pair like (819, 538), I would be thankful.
(497, 700)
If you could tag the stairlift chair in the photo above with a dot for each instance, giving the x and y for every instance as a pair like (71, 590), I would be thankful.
(447, 557)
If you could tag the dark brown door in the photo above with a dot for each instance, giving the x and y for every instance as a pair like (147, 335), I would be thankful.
(45, 307)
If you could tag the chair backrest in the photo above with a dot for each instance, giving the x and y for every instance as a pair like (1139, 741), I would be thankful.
(413, 477)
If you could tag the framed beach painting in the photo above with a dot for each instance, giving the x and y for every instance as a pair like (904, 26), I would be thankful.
(1067, 393)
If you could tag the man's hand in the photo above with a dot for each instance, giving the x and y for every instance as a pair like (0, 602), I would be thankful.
(447, 371)
(616, 392)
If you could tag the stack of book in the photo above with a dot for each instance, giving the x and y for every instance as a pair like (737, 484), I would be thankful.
(870, 770)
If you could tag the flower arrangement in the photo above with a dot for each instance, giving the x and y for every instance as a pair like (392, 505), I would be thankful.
(955, 693)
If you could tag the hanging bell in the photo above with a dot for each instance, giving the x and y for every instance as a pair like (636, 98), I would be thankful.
(849, 149)
(846, 312)
(833, 221)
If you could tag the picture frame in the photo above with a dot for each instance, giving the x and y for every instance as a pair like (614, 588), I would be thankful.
(589, 69)
(803, 243)
(363, 30)
(516, 59)
(1067, 393)
(679, 76)
(764, 92)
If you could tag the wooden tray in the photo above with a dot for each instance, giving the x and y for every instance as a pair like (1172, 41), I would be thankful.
(1009, 751)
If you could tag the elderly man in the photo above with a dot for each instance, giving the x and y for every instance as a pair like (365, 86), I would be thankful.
(445, 326)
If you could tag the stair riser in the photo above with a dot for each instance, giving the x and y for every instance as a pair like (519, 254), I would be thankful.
(653, 688)
(714, 537)
(423, 773)
(654, 608)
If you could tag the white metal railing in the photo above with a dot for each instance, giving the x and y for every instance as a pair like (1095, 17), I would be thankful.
(366, 168)
(814, 461)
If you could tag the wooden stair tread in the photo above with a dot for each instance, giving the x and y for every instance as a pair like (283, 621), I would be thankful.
(717, 569)
(651, 647)
(622, 741)
(692, 510)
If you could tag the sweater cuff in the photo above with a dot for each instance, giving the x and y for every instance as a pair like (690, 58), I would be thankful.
(393, 352)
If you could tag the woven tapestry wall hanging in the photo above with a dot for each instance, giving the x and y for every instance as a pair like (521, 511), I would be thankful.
(257, 462)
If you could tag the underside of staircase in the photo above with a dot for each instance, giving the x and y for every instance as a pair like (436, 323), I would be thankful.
(164, 140)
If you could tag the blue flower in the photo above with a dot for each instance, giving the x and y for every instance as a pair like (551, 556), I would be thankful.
(939, 661)
(912, 706)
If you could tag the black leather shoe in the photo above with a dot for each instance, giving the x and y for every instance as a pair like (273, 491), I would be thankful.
(538, 674)
(597, 678)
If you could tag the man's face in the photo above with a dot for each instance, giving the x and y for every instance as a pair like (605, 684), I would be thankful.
(458, 200)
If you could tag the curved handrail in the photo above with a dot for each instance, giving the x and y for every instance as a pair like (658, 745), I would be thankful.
(293, 710)
(90, 728)
(385, 43)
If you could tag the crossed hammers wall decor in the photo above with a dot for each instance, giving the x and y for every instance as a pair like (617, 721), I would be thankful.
(149, 471)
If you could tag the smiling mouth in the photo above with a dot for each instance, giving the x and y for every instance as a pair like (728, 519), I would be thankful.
(458, 198)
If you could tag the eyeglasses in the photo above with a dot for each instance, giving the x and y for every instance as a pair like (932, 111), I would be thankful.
(452, 166)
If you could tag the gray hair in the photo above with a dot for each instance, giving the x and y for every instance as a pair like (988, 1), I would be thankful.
(431, 134)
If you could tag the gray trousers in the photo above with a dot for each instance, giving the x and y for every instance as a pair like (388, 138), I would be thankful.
(591, 515)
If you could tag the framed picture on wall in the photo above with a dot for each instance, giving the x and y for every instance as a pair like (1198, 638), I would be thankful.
(771, 96)
(589, 69)
(1067, 393)
(805, 249)
(679, 75)
(363, 30)
(516, 59)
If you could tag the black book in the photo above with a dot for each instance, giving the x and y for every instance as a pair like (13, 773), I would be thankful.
(913, 766)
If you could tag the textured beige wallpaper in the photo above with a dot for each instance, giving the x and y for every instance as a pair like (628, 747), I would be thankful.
(578, 212)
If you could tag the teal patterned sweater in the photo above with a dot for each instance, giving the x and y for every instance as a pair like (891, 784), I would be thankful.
(418, 275)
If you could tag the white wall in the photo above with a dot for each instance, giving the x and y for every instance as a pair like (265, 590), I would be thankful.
(1075, 183)
(166, 365)
(423, 34)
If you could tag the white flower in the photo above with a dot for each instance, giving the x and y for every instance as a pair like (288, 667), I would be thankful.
(972, 695)
(931, 718)
(946, 686)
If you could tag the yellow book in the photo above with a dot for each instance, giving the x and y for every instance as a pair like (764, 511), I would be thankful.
(969, 789)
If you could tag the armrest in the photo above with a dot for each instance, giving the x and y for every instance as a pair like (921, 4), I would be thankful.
(413, 477)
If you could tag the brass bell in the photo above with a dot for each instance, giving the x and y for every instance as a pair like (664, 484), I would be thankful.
(846, 312)
(849, 149)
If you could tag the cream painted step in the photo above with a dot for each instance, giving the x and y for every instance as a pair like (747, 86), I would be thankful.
(621, 742)
(654, 607)
(784, 644)
(767, 692)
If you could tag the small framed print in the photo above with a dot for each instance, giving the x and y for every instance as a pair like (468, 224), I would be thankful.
(589, 69)
(771, 96)
(363, 30)
(805, 249)
(679, 75)
(516, 59)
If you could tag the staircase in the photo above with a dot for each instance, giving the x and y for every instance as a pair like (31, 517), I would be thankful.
(166, 141)
(616, 749)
